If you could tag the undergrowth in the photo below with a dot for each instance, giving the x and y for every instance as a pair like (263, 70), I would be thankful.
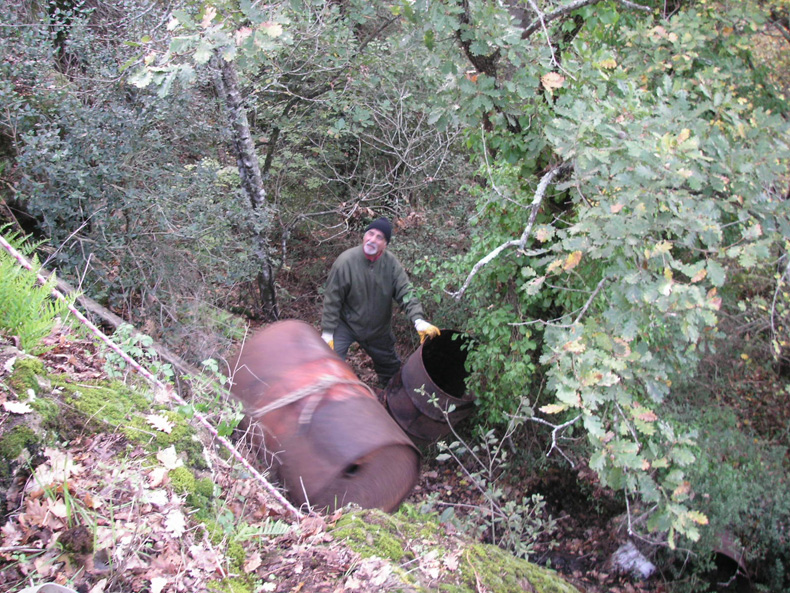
(27, 309)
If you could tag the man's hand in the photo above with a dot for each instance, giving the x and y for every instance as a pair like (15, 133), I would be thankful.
(426, 330)
(329, 339)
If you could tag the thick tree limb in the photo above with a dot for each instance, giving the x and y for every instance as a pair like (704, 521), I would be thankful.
(227, 83)
(521, 242)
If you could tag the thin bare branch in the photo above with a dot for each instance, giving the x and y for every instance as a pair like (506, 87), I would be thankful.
(541, 20)
(520, 243)
(555, 429)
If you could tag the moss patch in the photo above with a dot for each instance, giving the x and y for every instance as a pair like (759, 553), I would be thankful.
(433, 560)
(232, 585)
(26, 375)
(15, 441)
(182, 480)
(499, 571)
(111, 404)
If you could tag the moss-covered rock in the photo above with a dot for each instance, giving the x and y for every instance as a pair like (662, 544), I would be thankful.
(182, 480)
(432, 560)
(28, 371)
(16, 440)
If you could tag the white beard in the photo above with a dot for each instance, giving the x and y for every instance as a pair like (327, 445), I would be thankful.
(370, 249)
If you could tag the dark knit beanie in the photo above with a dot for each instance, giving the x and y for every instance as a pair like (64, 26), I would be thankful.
(381, 224)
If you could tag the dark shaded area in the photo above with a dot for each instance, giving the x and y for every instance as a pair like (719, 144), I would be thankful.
(444, 358)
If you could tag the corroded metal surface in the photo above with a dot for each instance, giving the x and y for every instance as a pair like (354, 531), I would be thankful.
(319, 427)
(428, 394)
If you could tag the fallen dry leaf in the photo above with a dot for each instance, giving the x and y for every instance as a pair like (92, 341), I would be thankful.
(157, 476)
(158, 584)
(160, 423)
(169, 458)
(17, 407)
(253, 562)
(176, 523)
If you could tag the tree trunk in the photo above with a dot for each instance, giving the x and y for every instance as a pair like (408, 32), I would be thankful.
(251, 182)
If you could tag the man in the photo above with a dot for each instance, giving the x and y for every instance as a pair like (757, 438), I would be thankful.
(362, 284)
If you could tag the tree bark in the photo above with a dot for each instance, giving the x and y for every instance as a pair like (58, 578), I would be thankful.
(251, 182)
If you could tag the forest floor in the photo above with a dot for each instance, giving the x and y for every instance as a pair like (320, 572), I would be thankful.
(589, 525)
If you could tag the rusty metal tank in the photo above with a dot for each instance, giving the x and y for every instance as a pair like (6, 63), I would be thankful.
(318, 425)
(432, 380)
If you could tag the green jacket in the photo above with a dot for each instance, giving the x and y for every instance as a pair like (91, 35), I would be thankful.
(360, 293)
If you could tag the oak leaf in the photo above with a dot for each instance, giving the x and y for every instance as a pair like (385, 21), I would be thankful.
(160, 423)
(572, 261)
(553, 408)
(175, 523)
(169, 458)
(552, 81)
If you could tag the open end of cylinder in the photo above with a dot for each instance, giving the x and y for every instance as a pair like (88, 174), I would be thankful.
(444, 359)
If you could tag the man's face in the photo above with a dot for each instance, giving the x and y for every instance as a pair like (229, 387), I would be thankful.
(374, 242)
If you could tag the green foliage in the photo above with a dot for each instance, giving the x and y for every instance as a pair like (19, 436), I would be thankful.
(742, 483)
(140, 348)
(666, 127)
(513, 524)
(27, 308)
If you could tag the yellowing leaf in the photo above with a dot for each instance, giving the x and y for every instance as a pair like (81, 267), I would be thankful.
(242, 34)
(648, 416)
(557, 263)
(572, 261)
(160, 423)
(543, 234)
(208, 16)
(272, 29)
(608, 63)
(661, 248)
(552, 81)
(682, 490)
(699, 276)
(553, 408)
(615, 208)
(685, 173)
(684, 135)
(621, 348)
(533, 286)
(17, 407)
(576, 346)
(698, 517)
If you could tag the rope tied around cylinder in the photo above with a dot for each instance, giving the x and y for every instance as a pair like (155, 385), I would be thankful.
(323, 384)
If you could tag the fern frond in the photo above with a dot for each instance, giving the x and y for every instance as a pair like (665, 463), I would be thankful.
(27, 309)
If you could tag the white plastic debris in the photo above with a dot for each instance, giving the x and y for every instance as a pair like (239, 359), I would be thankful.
(628, 559)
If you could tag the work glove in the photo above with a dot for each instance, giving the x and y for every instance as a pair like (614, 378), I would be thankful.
(426, 330)
(329, 338)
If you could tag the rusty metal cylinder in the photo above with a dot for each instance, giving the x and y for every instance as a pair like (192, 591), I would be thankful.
(318, 425)
(428, 395)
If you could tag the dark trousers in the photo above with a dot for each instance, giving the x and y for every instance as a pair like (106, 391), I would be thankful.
(381, 349)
